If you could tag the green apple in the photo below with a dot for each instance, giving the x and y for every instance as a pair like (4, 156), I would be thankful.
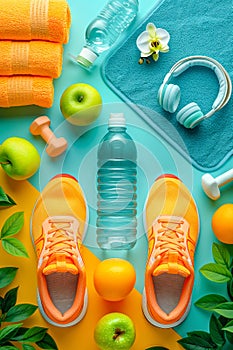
(81, 104)
(115, 331)
(19, 158)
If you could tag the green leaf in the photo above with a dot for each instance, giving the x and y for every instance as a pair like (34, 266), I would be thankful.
(34, 334)
(221, 255)
(9, 331)
(47, 343)
(27, 347)
(216, 273)
(216, 332)
(229, 327)
(13, 225)
(201, 334)
(225, 309)
(7, 274)
(8, 347)
(210, 301)
(14, 247)
(5, 200)
(20, 312)
(196, 343)
(9, 299)
(20, 334)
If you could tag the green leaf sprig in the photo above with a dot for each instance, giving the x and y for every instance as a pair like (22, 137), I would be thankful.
(14, 334)
(221, 320)
(201, 340)
(220, 270)
(11, 227)
(5, 199)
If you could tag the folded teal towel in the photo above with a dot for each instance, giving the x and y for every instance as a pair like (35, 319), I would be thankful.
(202, 27)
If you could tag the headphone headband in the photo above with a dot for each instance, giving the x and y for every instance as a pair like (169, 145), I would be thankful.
(225, 85)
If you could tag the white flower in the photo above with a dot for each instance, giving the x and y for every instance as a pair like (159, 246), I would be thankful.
(152, 41)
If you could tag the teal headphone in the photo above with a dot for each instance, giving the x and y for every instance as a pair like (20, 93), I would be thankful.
(191, 115)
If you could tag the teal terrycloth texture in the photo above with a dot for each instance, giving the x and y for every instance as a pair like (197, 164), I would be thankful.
(201, 27)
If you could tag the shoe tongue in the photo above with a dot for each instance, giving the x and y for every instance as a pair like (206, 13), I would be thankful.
(60, 264)
(172, 265)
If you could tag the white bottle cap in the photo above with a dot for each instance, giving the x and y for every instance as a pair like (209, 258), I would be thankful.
(86, 57)
(116, 119)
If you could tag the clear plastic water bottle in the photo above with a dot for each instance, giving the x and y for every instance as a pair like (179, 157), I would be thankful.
(106, 28)
(116, 187)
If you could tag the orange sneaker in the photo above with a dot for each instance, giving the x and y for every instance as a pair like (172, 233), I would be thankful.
(58, 225)
(172, 225)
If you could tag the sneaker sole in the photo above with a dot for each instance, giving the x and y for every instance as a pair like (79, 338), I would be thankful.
(84, 309)
(144, 299)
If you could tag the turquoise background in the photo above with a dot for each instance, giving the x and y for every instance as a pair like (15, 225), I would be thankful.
(155, 156)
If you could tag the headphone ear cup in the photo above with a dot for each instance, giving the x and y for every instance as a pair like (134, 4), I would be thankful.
(169, 97)
(189, 115)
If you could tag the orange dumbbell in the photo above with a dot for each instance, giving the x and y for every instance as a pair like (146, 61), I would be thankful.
(56, 146)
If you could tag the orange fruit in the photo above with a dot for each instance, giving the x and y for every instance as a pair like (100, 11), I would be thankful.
(222, 223)
(114, 279)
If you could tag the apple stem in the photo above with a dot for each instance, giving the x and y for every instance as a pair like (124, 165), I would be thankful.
(80, 98)
(118, 332)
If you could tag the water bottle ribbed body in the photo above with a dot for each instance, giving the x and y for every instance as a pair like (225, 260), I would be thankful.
(116, 188)
(105, 29)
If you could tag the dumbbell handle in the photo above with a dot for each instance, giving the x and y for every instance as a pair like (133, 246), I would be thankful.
(224, 178)
(46, 133)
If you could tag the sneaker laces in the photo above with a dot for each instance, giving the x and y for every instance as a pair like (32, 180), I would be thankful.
(171, 245)
(171, 237)
(60, 248)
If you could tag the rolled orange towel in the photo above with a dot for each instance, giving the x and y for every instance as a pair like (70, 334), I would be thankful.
(47, 20)
(26, 90)
(31, 57)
